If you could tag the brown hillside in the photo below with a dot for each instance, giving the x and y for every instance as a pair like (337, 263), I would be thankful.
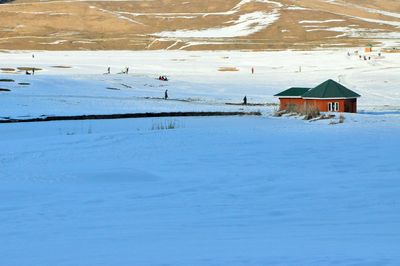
(196, 24)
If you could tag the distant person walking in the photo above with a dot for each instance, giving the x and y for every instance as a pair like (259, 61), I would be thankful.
(245, 100)
(252, 70)
(166, 95)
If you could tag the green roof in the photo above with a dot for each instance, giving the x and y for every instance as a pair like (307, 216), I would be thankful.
(293, 92)
(330, 89)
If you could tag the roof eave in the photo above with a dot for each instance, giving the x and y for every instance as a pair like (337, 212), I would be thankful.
(330, 98)
(288, 97)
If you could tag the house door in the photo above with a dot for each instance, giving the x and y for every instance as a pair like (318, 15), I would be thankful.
(347, 107)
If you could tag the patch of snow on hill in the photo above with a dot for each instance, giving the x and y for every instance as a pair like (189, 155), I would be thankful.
(379, 21)
(385, 13)
(296, 8)
(247, 24)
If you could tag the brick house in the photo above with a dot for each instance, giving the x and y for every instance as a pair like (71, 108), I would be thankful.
(329, 96)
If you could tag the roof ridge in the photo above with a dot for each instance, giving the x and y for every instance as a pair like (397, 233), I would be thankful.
(326, 85)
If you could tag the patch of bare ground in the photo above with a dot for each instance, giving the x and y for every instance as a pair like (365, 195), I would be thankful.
(7, 69)
(228, 69)
(63, 67)
(28, 68)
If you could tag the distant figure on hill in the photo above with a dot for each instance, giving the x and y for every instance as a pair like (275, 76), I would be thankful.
(108, 70)
(127, 70)
(166, 94)
(252, 70)
(245, 100)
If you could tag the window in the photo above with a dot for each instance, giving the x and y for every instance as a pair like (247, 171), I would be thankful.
(333, 107)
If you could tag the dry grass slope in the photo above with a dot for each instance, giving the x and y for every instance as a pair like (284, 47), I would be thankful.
(196, 24)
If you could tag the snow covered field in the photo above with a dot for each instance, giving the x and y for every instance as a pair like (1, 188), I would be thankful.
(194, 76)
(210, 191)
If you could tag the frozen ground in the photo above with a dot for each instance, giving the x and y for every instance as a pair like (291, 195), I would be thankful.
(212, 191)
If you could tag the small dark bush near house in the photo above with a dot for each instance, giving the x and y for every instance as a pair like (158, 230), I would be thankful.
(341, 118)
(308, 111)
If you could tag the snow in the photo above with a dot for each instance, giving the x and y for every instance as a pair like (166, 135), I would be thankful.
(245, 25)
(296, 8)
(210, 191)
(213, 191)
(380, 21)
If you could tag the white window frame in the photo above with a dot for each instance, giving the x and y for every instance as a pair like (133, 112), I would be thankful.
(333, 106)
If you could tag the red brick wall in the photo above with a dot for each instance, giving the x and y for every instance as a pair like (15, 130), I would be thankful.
(284, 102)
(345, 105)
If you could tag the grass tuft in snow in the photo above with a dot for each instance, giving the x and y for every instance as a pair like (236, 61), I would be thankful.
(164, 125)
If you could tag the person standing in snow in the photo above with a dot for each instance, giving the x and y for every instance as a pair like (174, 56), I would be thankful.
(108, 70)
(127, 70)
(245, 100)
(33, 71)
(252, 70)
(166, 94)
